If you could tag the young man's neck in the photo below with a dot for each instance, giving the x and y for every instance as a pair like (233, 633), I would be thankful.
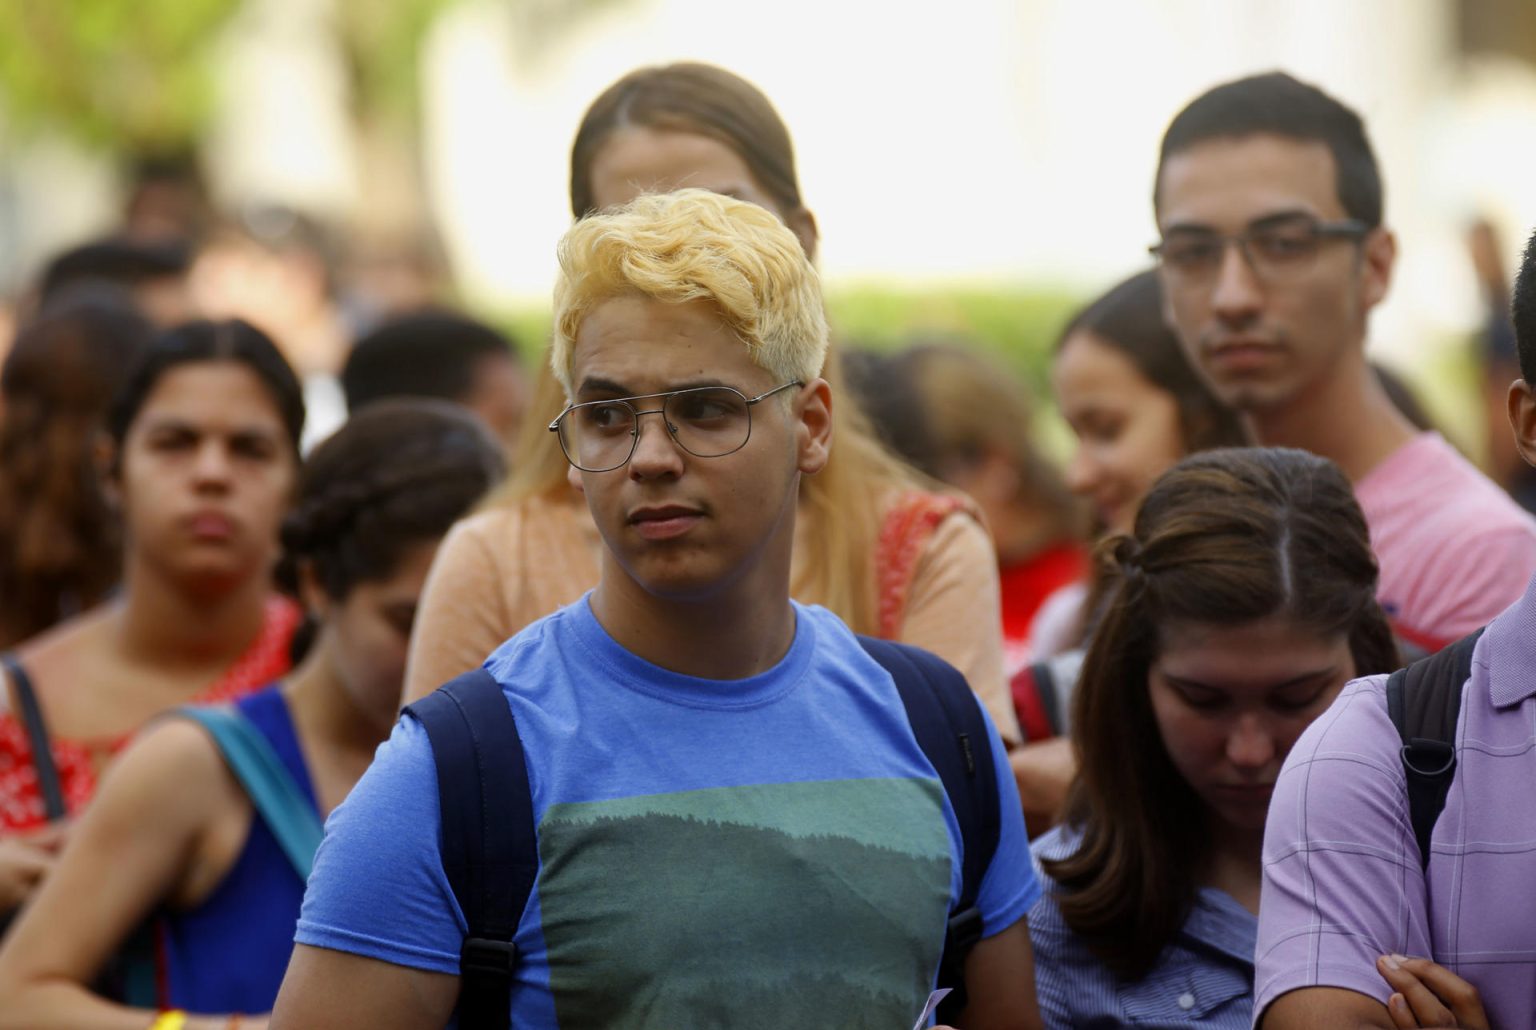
(1347, 417)
(741, 631)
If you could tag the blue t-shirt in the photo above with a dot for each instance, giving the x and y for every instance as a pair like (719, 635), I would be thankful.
(769, 851)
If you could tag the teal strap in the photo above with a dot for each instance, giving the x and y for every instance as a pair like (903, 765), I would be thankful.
(280, 801)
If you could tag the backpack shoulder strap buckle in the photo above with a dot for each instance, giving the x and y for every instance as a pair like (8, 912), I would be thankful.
(482, 956)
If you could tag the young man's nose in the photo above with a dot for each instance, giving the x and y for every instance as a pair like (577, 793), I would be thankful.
(1236, 293)
(656, 452)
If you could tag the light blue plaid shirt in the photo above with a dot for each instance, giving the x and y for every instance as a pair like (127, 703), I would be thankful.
(1204, 977)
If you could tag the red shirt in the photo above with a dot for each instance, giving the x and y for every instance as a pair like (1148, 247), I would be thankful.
(1028, 583)
(21, 801)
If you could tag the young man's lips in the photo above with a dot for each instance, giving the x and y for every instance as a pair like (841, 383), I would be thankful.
(1241, 354)
(664, 523)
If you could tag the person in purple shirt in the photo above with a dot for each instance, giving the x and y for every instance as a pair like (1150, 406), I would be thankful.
(1354, 931)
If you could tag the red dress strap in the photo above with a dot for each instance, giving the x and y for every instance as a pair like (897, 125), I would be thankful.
(904, 535)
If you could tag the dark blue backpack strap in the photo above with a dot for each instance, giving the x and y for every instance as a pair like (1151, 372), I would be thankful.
(489, 848)
(48, 783)
(949, 726)
(1424, 704)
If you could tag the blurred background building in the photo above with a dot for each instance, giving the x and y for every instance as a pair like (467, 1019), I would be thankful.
(984, 148)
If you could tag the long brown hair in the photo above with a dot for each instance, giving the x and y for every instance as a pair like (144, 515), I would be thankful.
(843, 505)
(60, 541)
(694, 98)
(1224, 537)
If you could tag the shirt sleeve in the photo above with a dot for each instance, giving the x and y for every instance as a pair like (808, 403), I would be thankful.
(1468, 583)
(378, 888)
(1342, 881)
(1010, 885)
(954, 609)
(462, 617)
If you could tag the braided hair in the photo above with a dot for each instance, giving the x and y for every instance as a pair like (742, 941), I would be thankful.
(397, 474)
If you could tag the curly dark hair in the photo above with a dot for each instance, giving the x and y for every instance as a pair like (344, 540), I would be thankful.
(400, 472)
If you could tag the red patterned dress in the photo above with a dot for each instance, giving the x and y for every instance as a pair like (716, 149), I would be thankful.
(21, 801)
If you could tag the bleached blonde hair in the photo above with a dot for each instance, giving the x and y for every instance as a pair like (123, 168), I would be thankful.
(696, 245)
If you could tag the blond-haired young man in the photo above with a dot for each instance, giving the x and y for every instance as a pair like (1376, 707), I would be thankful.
(735, 823)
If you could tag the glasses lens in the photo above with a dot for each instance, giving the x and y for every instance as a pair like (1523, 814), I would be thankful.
(598, 436)
(1284, 247)
(709, 422)
(1191, 255)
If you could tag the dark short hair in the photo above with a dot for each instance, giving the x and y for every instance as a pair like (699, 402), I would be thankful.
(1523, 312)
(1129, 318)
(429, 354)
(1279, 105)
(203, 341)
(121, 262)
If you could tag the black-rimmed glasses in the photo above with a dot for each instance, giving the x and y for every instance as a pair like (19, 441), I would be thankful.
(706, 421)
(1276, 249)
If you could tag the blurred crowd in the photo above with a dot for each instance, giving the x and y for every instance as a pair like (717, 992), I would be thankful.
(261, 486)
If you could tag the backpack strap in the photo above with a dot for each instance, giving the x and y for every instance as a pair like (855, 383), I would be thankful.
(276, 796)
(48, 782)
(949, 726)
(489, 850)
(1424, 703)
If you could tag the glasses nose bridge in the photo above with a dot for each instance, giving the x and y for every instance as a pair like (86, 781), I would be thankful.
(636, 431)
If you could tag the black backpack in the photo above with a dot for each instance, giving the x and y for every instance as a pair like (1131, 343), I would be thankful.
(1424, 702)
(489, 847)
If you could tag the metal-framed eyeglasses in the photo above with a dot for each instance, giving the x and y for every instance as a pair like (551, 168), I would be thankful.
(1276, 249)
(705, 421)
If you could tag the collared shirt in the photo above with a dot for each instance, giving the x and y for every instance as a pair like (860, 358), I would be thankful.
(1204, 977)
(1342, 880)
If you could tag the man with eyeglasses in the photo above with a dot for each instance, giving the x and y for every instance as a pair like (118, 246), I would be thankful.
(734, 821)
(1273, 253)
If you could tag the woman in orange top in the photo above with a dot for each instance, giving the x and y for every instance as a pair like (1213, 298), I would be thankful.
(202, 458)
(873, 543)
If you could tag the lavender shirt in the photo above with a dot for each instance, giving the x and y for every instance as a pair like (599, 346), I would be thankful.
(1342, 881)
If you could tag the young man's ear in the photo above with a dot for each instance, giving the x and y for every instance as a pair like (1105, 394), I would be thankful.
(1378, 256)
(1522, 419)
(813, 407)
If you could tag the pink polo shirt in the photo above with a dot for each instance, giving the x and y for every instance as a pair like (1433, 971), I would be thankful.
(1454, 549)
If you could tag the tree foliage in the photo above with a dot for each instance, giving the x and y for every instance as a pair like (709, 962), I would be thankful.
(128, 76)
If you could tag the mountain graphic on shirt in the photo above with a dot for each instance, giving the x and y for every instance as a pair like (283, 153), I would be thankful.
(818, 903)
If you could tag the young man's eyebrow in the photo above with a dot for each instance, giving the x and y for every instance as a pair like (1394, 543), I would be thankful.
(597, 384)
(1263, 220)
